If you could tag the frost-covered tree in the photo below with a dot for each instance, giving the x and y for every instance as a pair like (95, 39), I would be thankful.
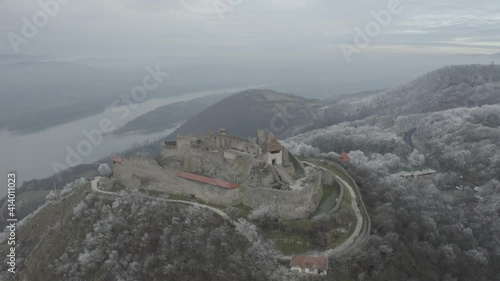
(51, 196)
(71, 186)
(416, 158)
(137, 238)
(104, 170)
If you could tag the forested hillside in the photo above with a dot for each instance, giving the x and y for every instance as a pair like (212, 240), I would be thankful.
(422, 233)
(131, 237)
(465, 140)
(445, 88)
(420, 230)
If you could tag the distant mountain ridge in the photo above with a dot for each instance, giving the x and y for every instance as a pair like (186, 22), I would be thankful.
(169, 115)
(446, 88)
(245, 112)
(4, 59)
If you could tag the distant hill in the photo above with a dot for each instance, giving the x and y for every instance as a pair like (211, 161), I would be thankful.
(358, 95)
(169, 115)
(446, 88)
(455, 110)
(21, 58)
(243, 113)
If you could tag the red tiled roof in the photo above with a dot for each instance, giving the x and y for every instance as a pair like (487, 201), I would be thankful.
(310, 262)
(211, 181)
(344, 157)
(273, 144)
(117, 160)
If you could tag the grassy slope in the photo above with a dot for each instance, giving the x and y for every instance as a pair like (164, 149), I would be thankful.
(329, 199)
(48, 234)
(291, 241)
(339, 238)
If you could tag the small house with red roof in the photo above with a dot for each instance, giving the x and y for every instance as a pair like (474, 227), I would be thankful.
(310, 264)
(344, 157)
(117, 160)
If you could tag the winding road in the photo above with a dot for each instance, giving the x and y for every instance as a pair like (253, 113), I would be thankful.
(408, 138)
(363, 223)
(357, 238)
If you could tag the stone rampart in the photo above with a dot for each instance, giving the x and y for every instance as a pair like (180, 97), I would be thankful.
(286, 204)
(141, 173)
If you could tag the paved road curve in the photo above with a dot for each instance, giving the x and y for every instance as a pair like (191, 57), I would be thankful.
(357, 238)
(360, 233)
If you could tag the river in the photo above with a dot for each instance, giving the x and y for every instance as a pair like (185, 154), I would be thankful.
(32, 155)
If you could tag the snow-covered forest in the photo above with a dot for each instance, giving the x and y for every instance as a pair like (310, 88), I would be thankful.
(421, 232)
(446, 88)
(132, 237)
(465, 140)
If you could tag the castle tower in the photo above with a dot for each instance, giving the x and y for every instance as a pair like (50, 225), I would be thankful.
(274, 151)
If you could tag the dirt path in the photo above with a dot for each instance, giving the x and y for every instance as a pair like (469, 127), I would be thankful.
(95, 187)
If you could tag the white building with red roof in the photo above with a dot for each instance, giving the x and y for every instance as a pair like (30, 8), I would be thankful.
(310, 264)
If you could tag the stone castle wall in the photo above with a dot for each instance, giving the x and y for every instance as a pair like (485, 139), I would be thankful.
(286, 204)
(216, 142)
(215, 165)
(298, 166)
(231, 142)
(144, 173)
(185, 143)
(168, 152)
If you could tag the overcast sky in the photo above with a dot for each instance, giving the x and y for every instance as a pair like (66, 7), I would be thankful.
(122, 28)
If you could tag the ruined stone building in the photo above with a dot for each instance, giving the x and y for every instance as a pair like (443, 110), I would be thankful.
(225, 169)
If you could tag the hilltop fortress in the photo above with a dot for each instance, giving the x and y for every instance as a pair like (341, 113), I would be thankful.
(223, 169)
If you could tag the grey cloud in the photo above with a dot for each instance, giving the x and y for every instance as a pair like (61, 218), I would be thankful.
(110, 28)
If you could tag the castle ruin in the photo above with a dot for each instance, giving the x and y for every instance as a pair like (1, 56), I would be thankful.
(224, 169)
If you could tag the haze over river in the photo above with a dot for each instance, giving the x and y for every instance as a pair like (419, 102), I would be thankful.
(31, 155)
